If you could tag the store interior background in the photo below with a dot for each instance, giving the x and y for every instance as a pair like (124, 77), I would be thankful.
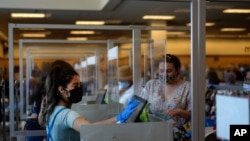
(223, 49)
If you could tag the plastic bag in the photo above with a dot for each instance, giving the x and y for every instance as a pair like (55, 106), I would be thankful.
(144, 116)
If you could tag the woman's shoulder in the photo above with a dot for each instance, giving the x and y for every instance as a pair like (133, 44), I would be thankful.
(63, 109)
(185, 82)
(66, 112)
(154, 82)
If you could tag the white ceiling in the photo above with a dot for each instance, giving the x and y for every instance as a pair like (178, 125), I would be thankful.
(55, 4)
(129, 12)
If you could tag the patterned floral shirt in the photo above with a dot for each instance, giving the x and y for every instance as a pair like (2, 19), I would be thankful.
(153, 92)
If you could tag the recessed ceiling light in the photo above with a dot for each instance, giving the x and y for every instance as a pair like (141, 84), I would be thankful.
(36, 35)
(210, 24)
(32, 29)
(81, 32)
(90, 23)
(77, 38)
(207, 24)
(232, 29)
(28, 15)
(158, 17)
(236, 11)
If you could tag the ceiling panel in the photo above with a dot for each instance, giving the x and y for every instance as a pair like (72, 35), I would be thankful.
(130, 12)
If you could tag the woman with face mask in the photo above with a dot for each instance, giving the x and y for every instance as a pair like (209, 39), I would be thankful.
(169, 95)
(125, 90)
(63, 88)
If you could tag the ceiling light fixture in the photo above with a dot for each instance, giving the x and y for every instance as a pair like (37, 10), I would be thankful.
(232, 29)
(32, 29)
(157, 17)
(241, 11)
(207, 24)
(81, 32)
(90, 23)
(210, 24)
(77, 38)
(35, 35)
(28, 15)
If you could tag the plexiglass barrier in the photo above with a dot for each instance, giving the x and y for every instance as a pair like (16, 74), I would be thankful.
(44, 58)
(112, 66)
(33, 60)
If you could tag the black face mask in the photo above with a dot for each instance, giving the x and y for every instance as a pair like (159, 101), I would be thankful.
(167, 79)
(75, 95)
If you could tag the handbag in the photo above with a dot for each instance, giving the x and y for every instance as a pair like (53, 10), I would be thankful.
(32, 124)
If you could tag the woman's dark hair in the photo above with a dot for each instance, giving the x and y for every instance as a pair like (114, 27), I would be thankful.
(60, 74)
(169, 58)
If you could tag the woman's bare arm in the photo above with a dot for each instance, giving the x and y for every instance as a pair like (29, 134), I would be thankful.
(40, 115)
(82, 121)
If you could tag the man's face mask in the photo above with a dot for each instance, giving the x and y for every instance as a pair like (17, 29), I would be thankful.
(123, 85)
(168, 79)
(75, 95)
